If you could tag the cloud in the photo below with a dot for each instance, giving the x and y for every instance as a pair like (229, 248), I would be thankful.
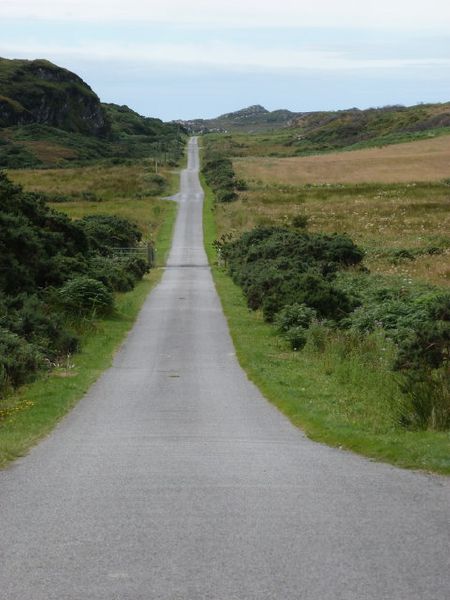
(224, 56)
(402, 14)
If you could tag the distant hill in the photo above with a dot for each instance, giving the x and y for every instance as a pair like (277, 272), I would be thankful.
(340, 129)
(49, 116)
(248, 120)
(285, 133)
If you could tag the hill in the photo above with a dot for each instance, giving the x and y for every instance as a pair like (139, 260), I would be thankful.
(38, 91)
(50, 117)
(251, 120)
(318, 132)
(331, 130)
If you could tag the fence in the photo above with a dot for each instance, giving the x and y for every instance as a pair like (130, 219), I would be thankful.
(147, 252)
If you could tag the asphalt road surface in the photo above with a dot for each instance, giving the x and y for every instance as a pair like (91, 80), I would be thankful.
(174, 479)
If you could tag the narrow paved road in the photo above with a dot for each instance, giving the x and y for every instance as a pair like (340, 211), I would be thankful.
(173, 479)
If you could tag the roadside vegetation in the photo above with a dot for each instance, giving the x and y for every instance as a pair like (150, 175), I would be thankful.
(220, 176)
(348, 331)
(69, 289)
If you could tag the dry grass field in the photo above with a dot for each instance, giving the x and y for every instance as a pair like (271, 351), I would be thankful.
(425, 160)
(127, 191)
(393, 201)
(404, 228)
(105, 182)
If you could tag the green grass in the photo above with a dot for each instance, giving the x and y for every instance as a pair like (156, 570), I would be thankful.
(36, 408)
(332, 398)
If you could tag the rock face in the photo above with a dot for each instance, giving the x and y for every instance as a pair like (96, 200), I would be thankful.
(40, 92)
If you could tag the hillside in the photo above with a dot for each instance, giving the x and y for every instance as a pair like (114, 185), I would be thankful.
(38, 91)
(250, 120)
(50, 117)
(257, 132)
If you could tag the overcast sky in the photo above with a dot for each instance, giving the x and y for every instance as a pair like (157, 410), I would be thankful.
(179, 59)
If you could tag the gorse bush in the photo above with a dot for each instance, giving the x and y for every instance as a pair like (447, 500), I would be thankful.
(220, 176)
(307, 284)
(295, 315)
(18, 360)
(105, 232)
(277, 267)
(83, 295)
(52, 272)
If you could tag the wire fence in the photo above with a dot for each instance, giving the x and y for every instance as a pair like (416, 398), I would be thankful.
(147, 252)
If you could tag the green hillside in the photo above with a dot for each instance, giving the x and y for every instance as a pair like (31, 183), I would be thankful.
(316, 132)
(50, 117)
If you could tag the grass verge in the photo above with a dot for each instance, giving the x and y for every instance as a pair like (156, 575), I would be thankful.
(302, 387)
(35, 409)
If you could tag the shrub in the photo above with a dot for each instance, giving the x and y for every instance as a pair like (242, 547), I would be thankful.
(51, 270)
(112, 273)
(39, 324)
(224, 195)
(105, 232)
(297, 337)
(294, 315)
(154, 184)
(428, 399)
(241, 185)
(427, 347)
(83, 295)
(300, 222)
(277, 267)
(219, 174)
(18, 360)
(137, 267)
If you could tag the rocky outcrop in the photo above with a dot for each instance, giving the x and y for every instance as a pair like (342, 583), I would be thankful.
(40, 92)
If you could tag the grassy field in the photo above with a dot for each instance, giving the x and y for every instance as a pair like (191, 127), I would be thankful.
(33, 411)
(127, 191)
(425, 160)
(344, 395)
(403, 227)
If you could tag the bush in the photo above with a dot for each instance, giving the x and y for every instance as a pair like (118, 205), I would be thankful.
(39, 324)
(137, 267)
(294, 315)
(300, 222)
(277, 267)
(428, 399)
(106, 232)
(219, 174)
(297, 337)
(154, 184)
(52, 269)
(224, 195)
(18, 360)
(112, 273)
(84, 296)
(427, 347)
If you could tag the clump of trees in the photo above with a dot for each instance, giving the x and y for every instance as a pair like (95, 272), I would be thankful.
(305, 281)
(54, 272)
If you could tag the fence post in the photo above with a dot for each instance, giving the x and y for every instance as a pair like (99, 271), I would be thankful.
(151, 255)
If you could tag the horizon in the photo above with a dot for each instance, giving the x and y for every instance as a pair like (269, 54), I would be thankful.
(178, 62)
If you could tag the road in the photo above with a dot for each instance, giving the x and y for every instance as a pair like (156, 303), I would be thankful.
(174, 479)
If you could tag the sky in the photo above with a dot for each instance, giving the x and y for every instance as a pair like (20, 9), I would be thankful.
(179, 59)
